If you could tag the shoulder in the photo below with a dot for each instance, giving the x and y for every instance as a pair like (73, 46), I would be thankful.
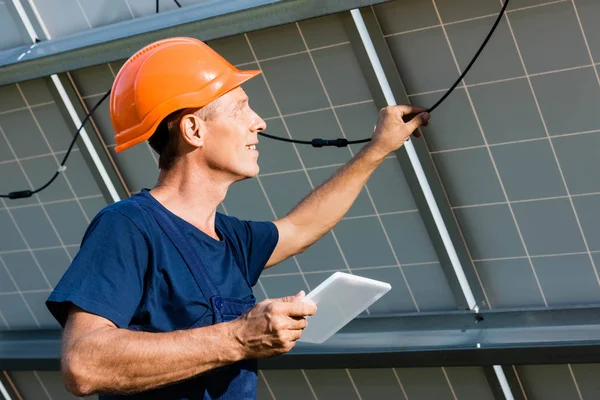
(125, 214)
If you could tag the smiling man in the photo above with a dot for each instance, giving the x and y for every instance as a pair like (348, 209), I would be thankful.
(158, 302)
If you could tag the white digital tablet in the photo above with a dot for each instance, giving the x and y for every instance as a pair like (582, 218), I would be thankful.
(339, 299)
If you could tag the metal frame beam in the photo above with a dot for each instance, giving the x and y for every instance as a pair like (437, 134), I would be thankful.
(512, 382)
(96, 142)
(119, 41)
(424, 161)
(461, 338)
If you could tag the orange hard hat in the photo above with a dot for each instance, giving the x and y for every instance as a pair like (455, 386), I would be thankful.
(164, 77)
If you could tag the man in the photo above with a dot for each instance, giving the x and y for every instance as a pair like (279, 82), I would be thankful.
(158, 302)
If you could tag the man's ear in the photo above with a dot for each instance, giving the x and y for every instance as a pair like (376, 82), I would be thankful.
(192, 130)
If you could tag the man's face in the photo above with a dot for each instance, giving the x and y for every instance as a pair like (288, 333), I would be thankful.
(232, 135)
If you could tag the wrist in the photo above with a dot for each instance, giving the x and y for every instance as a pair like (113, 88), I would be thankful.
(374, 153)
(231, 332)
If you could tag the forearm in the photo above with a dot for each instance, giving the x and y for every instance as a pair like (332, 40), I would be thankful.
(115, 360)
(324, 207)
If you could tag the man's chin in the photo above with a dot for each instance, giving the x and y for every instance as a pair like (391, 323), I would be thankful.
(249, 174)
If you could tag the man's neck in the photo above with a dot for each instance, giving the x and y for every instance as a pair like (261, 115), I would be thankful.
(192, 194)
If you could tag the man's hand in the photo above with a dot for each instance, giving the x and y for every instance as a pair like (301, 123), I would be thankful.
(272, 327)
(395, 125)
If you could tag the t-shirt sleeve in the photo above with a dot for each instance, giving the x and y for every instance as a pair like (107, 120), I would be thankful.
(107, 275)
(256, 241)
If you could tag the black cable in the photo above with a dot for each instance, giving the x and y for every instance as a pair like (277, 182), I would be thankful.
(158, 8)
(317, 142)
(341, 142)
(460, 78)
(21, 194)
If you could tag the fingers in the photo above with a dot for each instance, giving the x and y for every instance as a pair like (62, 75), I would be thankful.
(298, 323)
(300, 309)
(419, 120)
(294, 306)
(408, 109)
(292, 299)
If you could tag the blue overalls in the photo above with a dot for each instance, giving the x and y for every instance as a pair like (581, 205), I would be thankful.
(145, 269)
(237, 381)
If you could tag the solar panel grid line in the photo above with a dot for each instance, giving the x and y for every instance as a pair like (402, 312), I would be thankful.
(516, 142)
(320, 109)
(11, 216)
(310, 386)
(497, 203)
(585, 39)
(14, 282)
(37, 249)
(393, 266)
(515, 78)
(381, 214)
(437, 172)
(276, 104)
(97, 196)
(552, 147)
(575, 382)
(262, 287)
(264, 378)
(296, 53)
(449, 383)
(45, 103)
(521, 387)
(444, 24)
(400, 383)
(275, 274)
(129, 8)
(536, 256)
(44, 388)
(53, 153)
(353, 384)
(366, 186)
(496, 171)
(84, 14)
(93, 95)
(32, 291)
(4, 322)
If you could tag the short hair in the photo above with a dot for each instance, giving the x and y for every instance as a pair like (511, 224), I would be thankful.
(165, 139)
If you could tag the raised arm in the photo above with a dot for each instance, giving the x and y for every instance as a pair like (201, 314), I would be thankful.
(98, 357)
(325, 206)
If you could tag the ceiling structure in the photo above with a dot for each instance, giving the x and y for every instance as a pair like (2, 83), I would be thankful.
(509, 158)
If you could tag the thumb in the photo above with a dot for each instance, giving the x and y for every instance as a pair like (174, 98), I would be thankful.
(419, 120)
(292, 299)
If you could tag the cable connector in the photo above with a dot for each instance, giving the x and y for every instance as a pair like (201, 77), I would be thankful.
(22, 194)
(340, 142)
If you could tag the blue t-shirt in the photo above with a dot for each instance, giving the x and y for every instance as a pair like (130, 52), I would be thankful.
(128, 271)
